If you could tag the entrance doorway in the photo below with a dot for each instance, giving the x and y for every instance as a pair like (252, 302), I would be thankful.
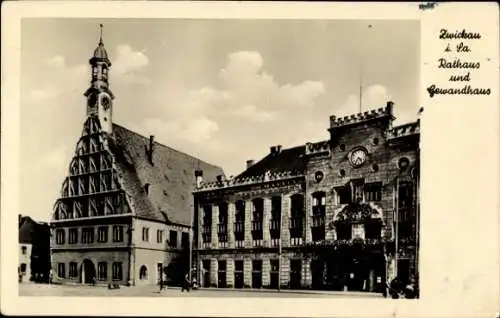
(87, 272)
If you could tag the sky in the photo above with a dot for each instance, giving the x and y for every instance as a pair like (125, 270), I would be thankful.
(221, 90)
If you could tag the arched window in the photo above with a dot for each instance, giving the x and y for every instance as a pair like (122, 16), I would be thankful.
(143, 273)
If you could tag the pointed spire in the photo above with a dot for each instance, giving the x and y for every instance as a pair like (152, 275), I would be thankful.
(100, 37)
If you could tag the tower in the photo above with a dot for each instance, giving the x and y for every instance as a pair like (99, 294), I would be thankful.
(99, 96)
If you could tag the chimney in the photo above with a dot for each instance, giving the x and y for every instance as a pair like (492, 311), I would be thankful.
(250, 163)
(276, 149)
(151, 148)
(199, 177)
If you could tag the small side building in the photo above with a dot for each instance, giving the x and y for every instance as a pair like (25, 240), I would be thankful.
(34, 250)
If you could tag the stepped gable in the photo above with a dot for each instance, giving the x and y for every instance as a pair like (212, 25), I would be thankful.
(289, 160)
(170, 175)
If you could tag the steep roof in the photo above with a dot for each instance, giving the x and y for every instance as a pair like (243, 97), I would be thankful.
(170, 176)
(286, 160)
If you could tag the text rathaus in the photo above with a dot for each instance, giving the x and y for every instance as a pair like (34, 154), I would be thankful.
(340, 214)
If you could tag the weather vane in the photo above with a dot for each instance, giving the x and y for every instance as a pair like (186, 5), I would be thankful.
(100, 38)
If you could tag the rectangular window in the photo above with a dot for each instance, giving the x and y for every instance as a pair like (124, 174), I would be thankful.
(23, 268)
(73, 236)
(88, 235)
(172, 242)
(238, 274)
(344, 195)
(145, 234)
(73, 271)
(405, 195)
(159, 236)
(60, 236)
(185, 240)
(373, 191)
(222, 283)
(102, 271)
(256, 274)
(276, 208)
(117, 233)
(102, 234)
(24, 250)
(117, 271)
(61, 270)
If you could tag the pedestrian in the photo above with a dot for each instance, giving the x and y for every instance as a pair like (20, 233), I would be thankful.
(185, 284)
(163, 281)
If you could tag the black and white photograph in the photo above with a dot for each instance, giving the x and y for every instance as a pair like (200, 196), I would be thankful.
(222, 158)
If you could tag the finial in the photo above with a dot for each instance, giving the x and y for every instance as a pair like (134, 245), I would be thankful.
(100, 38)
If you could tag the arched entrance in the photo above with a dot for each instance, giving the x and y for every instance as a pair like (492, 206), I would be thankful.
(87, 272)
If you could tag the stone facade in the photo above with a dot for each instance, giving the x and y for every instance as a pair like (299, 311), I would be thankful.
(336, 216)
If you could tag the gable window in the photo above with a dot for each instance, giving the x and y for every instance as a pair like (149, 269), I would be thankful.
(117, 271)
(73, 236)
(159, 236)
(145, 234)
(172, 242)
(117, 233)
(373, 191)
(60, 236)
(102, 271)
(102, 234)
(88, 235)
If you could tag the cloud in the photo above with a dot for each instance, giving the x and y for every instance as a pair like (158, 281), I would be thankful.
(129, 65)
(56, 62)
(195, 131)
(246, 91)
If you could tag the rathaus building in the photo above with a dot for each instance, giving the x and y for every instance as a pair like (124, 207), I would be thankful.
(125, 209)
(339, 214)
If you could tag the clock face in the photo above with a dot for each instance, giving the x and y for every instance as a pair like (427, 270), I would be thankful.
(358, 157)
(105, 102)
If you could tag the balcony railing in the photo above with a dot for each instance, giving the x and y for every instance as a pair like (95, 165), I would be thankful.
(207, 229)
(222, 228)
(257, 225)
(318, 221)
(296, 223)
(239, 226)
(274, 225)
(239, 244)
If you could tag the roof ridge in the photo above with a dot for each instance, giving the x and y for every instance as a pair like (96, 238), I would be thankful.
(168, 147)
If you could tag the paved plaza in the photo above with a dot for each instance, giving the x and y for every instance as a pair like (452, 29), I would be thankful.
(29, 289)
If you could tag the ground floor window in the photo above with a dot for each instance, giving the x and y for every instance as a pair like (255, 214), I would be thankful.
(256, 274)
(61, 270)
(73, 270)
(143, 273)
(23, 268)
(102, 271)
(117, 271)
(238, 274)
(206, 273)
(295, 275)
(275, 275)
(222, 282)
